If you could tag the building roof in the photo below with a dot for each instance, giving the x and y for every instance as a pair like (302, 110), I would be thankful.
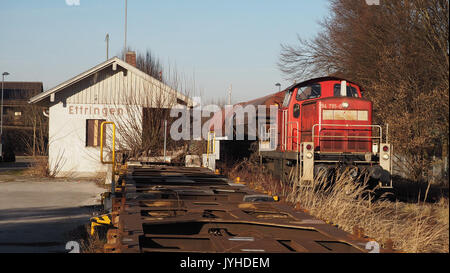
(22, 90)
(320, 79)
(40, 97)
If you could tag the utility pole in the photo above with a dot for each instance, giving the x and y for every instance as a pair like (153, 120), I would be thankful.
(107, 46)
(125, 46)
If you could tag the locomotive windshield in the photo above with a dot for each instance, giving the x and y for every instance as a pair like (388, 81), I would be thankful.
(309, 92)
(287, 98)
(351, 91)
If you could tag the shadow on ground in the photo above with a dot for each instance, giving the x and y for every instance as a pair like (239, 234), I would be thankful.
(411, 191)
(42, 229)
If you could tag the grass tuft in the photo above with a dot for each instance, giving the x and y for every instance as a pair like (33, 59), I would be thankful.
(409, 227)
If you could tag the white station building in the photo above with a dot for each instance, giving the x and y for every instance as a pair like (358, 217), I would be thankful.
(112, 91)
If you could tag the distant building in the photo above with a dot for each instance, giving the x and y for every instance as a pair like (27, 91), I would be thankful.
(115, 91)
(17, 123)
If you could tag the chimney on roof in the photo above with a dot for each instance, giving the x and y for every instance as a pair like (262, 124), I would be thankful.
(130, 58)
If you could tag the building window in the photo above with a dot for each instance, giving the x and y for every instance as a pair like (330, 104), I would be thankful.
(93, 132)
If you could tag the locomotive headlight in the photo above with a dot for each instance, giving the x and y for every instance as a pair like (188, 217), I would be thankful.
(345, 104)
(309, 155)
(385, 156)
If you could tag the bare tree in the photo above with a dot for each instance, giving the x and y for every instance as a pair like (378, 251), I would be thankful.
(36, 143)
(399, 52)
(141, 130)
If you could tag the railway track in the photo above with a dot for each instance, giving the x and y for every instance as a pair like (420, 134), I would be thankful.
(162, 208)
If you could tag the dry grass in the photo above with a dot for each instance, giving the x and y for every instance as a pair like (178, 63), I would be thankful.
(88, 243)
(40, 167)
(256, 177)
(93, 244)
(414, 228)
(99, 180)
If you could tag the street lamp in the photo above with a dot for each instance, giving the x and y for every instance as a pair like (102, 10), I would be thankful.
(279, 86)
(1, 115)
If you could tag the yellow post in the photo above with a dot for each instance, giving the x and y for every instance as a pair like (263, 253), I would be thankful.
(113, 161)
(211, 136)
(105, 219)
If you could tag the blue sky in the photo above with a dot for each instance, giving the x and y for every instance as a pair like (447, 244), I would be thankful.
(215, 42)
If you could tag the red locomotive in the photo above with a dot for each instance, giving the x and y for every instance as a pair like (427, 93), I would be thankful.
(321, 124)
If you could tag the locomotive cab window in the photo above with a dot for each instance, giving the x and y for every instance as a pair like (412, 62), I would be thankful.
(351, 91)
(296, 110)
(309, 92)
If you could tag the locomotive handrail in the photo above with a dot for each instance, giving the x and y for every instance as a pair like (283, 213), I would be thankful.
(380, 137)
(284, 132)
(298, 135)
(284, 129)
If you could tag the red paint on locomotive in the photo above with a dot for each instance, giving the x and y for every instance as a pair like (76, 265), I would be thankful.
(322, 124)
(319, 103)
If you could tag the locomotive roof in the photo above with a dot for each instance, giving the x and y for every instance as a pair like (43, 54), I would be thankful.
(320, 79)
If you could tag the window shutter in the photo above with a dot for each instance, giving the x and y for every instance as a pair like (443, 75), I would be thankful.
(93, 128)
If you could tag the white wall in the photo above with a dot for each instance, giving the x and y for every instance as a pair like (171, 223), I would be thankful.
(114, 87)
(67, 136)
(110, 89)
